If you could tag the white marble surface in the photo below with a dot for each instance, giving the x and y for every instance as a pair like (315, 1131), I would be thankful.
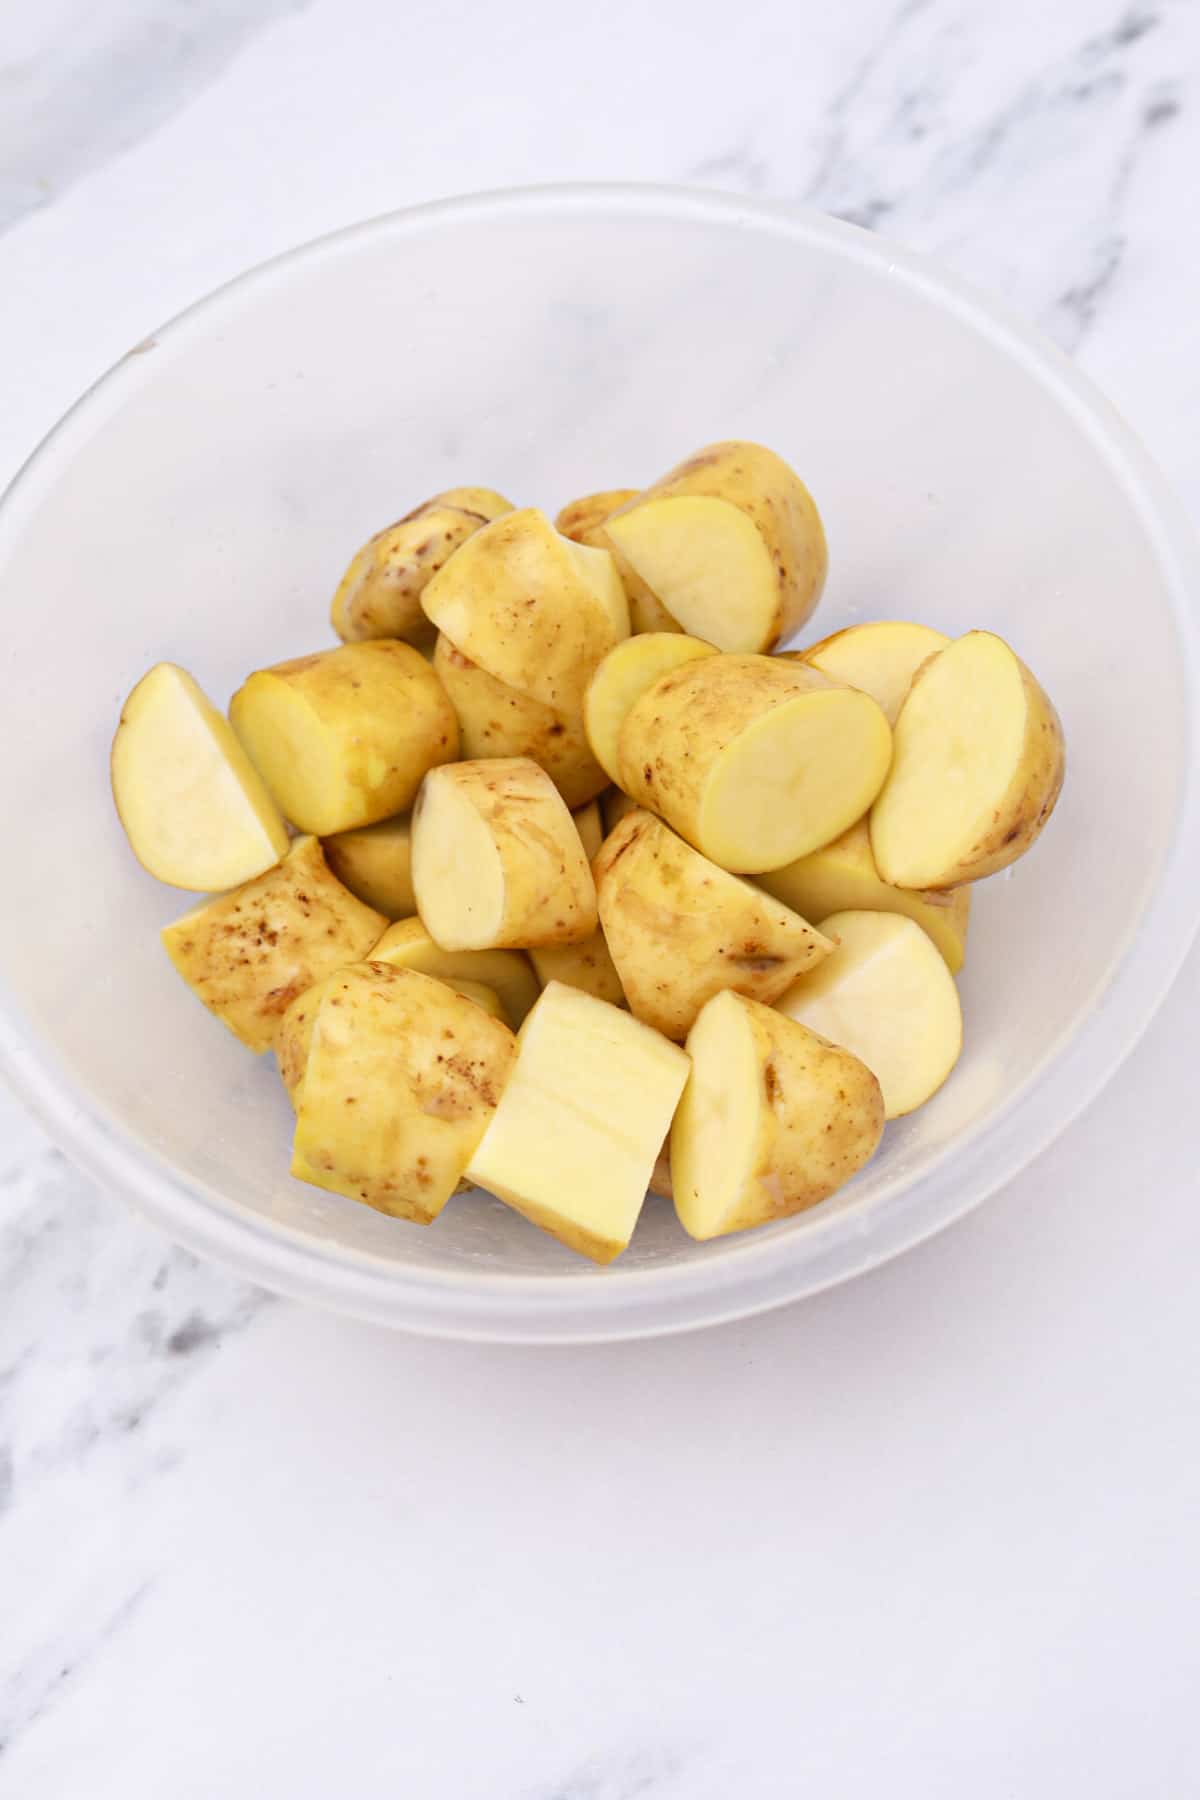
(934, 1534)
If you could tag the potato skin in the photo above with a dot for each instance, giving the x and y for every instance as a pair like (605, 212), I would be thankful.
(579, 519)
(379, 596)
(375, 863)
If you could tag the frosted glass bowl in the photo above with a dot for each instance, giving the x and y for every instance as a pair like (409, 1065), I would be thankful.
(200, 502)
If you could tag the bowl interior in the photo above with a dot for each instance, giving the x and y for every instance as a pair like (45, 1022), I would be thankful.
(200, 506)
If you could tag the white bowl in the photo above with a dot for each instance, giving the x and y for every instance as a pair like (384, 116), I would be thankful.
(199, 505)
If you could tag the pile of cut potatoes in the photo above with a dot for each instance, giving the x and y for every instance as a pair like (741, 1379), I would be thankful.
(556, 877)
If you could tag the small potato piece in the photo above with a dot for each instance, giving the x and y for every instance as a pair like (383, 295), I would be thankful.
(495, 720)
(574, 1139)
(886, 995)
(773, 1119)
(730, 543)
(583, 520)
(343, 738)
(375, 862)
(755, 760)
(248, 954)
(680, 929)
(407, 945)
(578, 519)
(616, 806)
(497, 861)
(195, 810)
(402, 1079)
(842, 877)
(880, 658)
(627, 672)
(379, 596)
(587, 966)
(660, 1179)
(978, 766)
(532, 608)
(590, 827)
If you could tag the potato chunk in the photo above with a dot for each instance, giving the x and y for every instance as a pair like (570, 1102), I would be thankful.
(680, 929)
(407, 945)
(247, 954)
(626, 673)
(575, 1137)
(886, 995)
(584, 520)
(773, 1119)
(755, 760)
(978, 767)
(880, 658)
(578, 519)
(375, 862)
(497, 861)
(344, 737)
(195, 809)
(379, 596)
(402, 1078)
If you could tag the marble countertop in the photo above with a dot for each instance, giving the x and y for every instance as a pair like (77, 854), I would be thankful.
(932, 1534)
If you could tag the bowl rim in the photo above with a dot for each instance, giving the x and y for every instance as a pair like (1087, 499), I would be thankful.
(758, 1271)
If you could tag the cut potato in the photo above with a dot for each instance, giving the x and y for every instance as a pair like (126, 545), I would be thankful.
(497, 861)
(580, 519)
(408, 945)
(343, 738)
(773, 1119)
(755, 760)
(730, 543)
(375, 862)
(575, 1136)
(248, 954)
(496, 720)
(842, 877)
(532, 608)
(978, 766)
(588, 966)
(887, 996)
(195, 810)
(680, 929)
(660, 1177)
(402, 1079)
(880, 658)
(590, 827)
(583, 520)
(379, 596)
(627, 672)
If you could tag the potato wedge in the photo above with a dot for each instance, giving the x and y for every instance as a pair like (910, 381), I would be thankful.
(343, 738)
(773, 1119)
(880, 658)
(248, 954)
(497, 861)
(495, 720)
(627, 672)
(379, 596)
(886, 995)
(842, 877)
(583, 520)
(590, 827)
(195, 809)
(730, 543)
(588, 966)
(375, 862)
(407, 945)
(680, 929)
(755, 760)
(575, 1136)
(532, 608)
(978, 767)
(402, 1079)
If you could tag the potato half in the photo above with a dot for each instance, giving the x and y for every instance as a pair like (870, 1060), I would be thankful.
(978, 767)
(379, 596)
(627, 672)
(886, 995)
(680, 929)
(375, 862)
(407, 945)
(343, 738)
(773, 1119)
(880, 658)
(195, 809)
(248, 954)
(730, 543)
(497, 861)
(580, 1124)
(755, 760)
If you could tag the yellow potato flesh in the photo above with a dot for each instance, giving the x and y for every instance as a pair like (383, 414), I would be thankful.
(583, 520)
(977, 769)
(590, 827)
(577, 1131)
(195, 810)
(407, 945)
(343, 738)
(880, 658)
(886, 995)
(375, 863)
(708, 565)
(626, 673)
(379, 596)
(842, 877)
(402, 1078)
